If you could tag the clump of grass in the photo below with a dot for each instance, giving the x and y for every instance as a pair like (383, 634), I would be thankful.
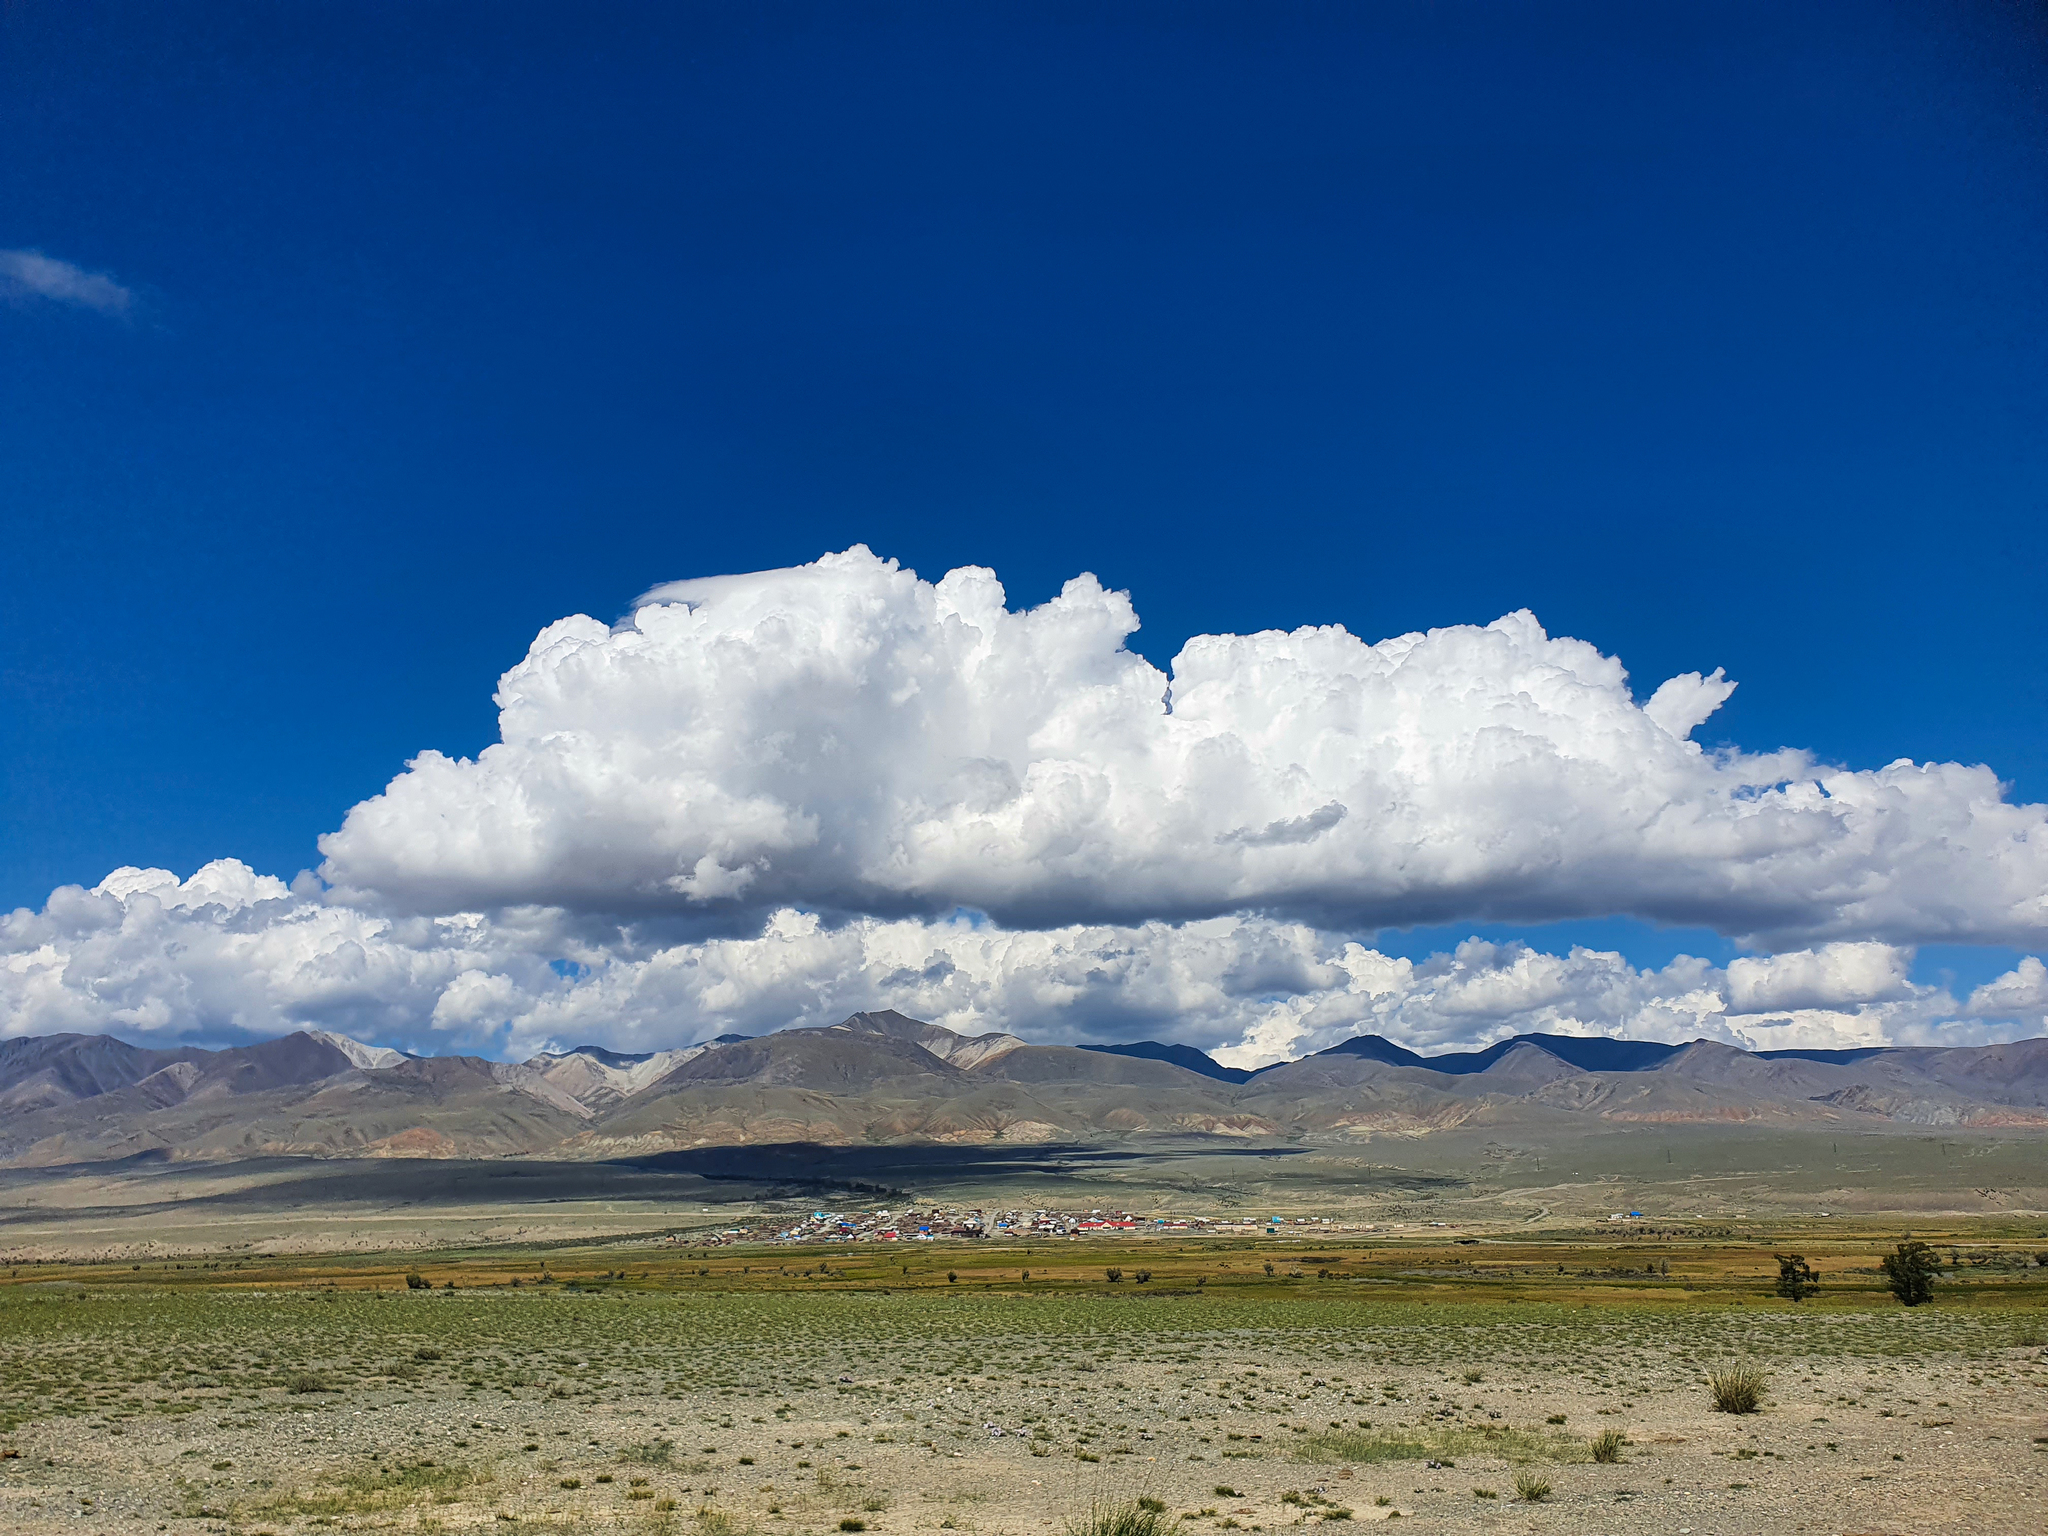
(1132, 1517)
(1606, 1446)
(1738, 1389)
(1531, 1488)
(1473, 1378)
(303, 1382)
(650, 1453)
(853, 1523)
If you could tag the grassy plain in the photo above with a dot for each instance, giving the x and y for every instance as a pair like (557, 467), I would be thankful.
(639, 1385)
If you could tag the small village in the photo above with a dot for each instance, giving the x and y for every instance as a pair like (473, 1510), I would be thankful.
(941, 1223)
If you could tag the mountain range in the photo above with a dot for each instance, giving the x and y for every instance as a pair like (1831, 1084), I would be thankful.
(884, 1077)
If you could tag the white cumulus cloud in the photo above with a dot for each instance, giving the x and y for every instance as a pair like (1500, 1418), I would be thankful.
(27, 275)
(773, 799)
(230, 955)
(848, 738)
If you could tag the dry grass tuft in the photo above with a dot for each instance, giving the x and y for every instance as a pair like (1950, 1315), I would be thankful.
(1738, 1389)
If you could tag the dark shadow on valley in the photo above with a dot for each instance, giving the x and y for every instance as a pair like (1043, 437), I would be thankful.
(886, 1167)
(692, 1180)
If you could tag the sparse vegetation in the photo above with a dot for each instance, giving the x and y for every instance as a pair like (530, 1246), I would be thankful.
(1369, 1446)
(1249, 1371)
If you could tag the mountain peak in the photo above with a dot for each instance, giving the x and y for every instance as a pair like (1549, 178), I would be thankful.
(367, 1057)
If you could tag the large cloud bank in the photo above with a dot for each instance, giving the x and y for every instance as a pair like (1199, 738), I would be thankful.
(848, 738)
(769, 800)
(230, 954)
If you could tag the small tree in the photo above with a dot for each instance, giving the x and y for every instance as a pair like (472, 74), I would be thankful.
(1909, 1272)
(417, 1282)
(1796, 1279)
(1115, 1275)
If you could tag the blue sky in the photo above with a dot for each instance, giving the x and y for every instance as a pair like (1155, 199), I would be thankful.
(1713, 335)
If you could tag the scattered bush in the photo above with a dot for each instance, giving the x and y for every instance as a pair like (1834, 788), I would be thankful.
(853, 1523)
(1606, 1446)
(304, 1382)
(1738, 1389)
(1224, 1491)
(1531, 1488)
(1142, 1276)
(418, 1282)
(1115, 1275)
(427, 1355)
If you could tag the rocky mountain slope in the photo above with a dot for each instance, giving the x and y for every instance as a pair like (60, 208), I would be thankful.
(885, 1077)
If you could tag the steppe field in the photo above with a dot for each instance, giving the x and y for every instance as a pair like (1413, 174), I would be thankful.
(1543, 1375)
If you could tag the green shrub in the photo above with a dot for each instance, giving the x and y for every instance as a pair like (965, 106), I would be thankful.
(1531, 1488)
(1606, 1446)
